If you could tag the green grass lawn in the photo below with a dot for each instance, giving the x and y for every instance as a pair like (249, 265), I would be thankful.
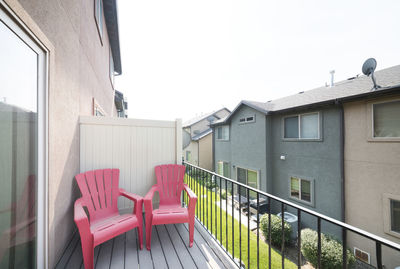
(276, 258)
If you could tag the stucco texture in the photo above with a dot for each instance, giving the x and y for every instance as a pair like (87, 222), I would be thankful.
(372, 170)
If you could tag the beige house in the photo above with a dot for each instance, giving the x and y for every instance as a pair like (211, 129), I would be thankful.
(197, 139)
(372, 167)
(58, 61)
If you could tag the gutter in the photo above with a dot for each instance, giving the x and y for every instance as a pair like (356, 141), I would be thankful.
(342, 174)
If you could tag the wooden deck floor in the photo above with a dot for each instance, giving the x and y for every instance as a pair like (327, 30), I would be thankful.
(169, 249)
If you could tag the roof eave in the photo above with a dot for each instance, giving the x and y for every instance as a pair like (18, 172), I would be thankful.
(111, 16)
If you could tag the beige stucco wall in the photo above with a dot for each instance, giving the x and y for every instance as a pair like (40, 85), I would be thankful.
(194, 149)
(205, 152)
(78, 72)
(372, 169)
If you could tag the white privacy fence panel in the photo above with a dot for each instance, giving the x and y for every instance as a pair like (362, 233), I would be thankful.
(134, 146)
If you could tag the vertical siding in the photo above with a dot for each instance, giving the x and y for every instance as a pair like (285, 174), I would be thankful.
(133, 146)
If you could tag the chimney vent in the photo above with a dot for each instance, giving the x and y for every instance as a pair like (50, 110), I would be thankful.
(332, 83)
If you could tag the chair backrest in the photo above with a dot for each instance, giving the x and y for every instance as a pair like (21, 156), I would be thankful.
(170, 183)
(99, 190)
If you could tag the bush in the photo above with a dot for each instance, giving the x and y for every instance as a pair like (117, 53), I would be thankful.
(224, 194)
(331, 250)
(276, 230)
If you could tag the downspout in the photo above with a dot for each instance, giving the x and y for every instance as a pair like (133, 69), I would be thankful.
(342, 133)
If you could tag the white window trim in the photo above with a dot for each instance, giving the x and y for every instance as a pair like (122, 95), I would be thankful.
(354, 253)
(15, 23)
(98, 18)
(252, 170)
(223, 162)
(370, 117)
(299, 129)
(312, 202)
(387, 223)
(247, 121)
(216, 133)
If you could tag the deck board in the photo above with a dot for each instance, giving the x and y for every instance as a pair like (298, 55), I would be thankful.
(169, 249)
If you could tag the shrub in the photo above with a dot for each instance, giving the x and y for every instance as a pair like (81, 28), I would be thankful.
(276, 230)
(331, 250)
(224, 194)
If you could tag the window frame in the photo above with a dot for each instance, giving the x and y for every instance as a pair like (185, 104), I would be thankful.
(99, 18)
(98, 108)
(312, 191)
(247, 121)
(229, 168)
(216, 133)
(21, 27)
(387, 214)
(371, 123)
(299, 115)
(247, 181)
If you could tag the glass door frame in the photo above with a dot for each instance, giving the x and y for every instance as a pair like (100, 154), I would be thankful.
(247, 169)
(16, 25)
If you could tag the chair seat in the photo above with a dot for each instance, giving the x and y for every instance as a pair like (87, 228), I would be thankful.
(167, 214)
(111, 227)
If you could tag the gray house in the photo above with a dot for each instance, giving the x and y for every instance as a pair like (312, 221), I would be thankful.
(293, 147)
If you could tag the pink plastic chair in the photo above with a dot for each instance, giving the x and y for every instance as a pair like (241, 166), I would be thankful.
(100, 194)
(169, 186)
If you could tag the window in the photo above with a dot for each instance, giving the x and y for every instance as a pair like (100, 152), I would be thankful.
(223, 168)
(23, 144)
(303, 126)
(223, 133)
(386, 120)
(395, 215)
(248, 177)
(188, 156)
(247, 119)
(98, 14)
(300, 189)
(362, 255)
(97, 110)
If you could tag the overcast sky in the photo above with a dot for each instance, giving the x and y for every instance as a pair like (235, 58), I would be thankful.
(184, 58)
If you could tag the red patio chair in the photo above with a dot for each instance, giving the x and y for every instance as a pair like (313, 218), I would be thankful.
(100, 194)
(169, 186)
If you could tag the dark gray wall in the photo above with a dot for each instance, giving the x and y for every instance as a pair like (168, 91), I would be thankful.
(316, 160)
(246, 147)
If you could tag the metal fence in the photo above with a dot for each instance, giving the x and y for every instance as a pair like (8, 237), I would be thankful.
(206, 183)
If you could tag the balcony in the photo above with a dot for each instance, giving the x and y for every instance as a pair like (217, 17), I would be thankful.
(228, 230)
(169, 250)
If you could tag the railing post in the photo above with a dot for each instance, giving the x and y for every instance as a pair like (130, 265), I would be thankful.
(344, 250)
(378, 255)
(269, 232)
(319, 241)
(283, 235)
(299, 238)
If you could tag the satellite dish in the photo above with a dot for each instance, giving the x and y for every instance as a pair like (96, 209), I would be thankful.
(369, 66)
(368, 69)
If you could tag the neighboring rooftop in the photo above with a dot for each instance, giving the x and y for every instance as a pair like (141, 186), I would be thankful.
(202, 117)
(388, 78)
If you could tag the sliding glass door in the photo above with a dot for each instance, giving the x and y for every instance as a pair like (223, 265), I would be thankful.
(21, 143)
(248, 177)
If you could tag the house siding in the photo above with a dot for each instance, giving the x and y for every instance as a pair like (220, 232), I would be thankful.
(205, 152)
(372, 169)
(319, 161)
(78, 72)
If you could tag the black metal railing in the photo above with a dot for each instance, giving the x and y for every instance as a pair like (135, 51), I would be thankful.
(206, 184)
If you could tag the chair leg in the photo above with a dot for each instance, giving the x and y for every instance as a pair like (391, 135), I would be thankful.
(148, 234)
(191, 231)
(87, 251)
(140, 235)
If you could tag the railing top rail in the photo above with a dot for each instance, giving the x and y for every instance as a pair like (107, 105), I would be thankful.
(309, 211)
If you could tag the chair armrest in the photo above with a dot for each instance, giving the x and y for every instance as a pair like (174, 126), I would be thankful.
(191, 194)
(130, 196)
(80, 217)
(148, 201)
(192, 200)
(137, 209)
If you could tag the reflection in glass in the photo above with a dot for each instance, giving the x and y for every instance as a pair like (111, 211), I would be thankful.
(18, 151)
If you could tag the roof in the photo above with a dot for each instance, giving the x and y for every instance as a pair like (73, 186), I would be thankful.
(356, 87)
(202, 134)
(202, 117)
(110, 13)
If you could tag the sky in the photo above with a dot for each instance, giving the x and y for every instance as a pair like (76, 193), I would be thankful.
(183, 58)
